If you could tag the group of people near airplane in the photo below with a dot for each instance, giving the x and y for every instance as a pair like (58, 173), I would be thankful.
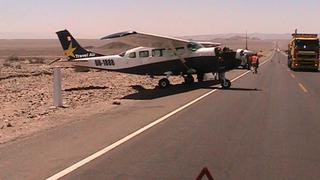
(251, 61)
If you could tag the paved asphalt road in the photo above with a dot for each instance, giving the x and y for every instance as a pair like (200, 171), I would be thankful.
(266, 127)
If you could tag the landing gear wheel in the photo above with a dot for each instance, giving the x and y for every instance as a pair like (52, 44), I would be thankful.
(225, 84)
(164, 83)
(189, 79)
(200, 77)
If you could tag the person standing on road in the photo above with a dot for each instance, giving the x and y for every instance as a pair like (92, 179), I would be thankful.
(243, 57)
(249, 61)
(255, 63)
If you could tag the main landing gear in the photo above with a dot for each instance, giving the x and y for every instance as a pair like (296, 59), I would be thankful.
(188, 79)
(200, 77)
(225, 83)
(164, 83)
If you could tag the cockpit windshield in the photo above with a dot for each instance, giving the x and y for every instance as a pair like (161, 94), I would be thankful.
(122, 54)
(193, 46)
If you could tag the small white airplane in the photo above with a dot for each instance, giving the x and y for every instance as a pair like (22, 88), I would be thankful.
(156, 56)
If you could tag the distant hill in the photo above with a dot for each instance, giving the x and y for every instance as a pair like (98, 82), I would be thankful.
(236, 38)
(257, 36)
(44, 35)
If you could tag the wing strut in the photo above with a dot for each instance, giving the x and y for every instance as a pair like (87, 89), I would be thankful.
(183, 61)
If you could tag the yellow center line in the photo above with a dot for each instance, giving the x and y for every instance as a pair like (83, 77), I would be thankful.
(303, 88)
(293, 76)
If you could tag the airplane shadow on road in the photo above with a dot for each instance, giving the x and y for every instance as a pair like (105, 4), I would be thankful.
(242, 89)
(147, 94)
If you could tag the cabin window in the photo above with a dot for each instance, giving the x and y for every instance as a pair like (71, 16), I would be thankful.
(157, 52)
(168, 52)
(144, 54)
(180, 50)
(132, 55)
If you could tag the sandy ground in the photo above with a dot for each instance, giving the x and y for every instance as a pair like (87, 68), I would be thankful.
(26, 85)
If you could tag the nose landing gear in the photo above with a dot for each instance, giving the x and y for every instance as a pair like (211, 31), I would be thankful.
(225, 83)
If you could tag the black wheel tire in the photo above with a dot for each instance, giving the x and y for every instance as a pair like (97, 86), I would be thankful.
(290, 64)
(248, 67)
(189, 79)
(226, 84)
(200, 77)
(164, 83)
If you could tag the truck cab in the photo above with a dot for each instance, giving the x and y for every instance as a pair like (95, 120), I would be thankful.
(303, 52)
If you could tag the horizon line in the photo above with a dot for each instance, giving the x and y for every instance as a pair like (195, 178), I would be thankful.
(40, 37)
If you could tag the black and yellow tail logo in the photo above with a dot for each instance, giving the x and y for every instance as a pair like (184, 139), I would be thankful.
(70, 51)
(72, 48)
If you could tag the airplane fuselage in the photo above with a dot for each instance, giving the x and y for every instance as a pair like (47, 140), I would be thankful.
(150, 61)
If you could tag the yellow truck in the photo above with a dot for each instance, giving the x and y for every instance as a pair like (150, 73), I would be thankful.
(303, 52)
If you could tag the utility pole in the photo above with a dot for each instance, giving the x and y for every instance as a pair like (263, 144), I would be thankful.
(246, 40)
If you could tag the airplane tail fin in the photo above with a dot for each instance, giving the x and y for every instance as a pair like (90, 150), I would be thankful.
(72, 48)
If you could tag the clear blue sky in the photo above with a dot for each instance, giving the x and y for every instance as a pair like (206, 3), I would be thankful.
(96, 18)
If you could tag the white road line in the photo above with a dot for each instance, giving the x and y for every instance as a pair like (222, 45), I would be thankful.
(293, 76)
(136, 133)
(303, 88)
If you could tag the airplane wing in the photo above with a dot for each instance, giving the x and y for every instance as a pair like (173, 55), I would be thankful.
(146, 40)
(210, 44)
(155, 41)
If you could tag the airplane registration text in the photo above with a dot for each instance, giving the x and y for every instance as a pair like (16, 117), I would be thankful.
(104, 62)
